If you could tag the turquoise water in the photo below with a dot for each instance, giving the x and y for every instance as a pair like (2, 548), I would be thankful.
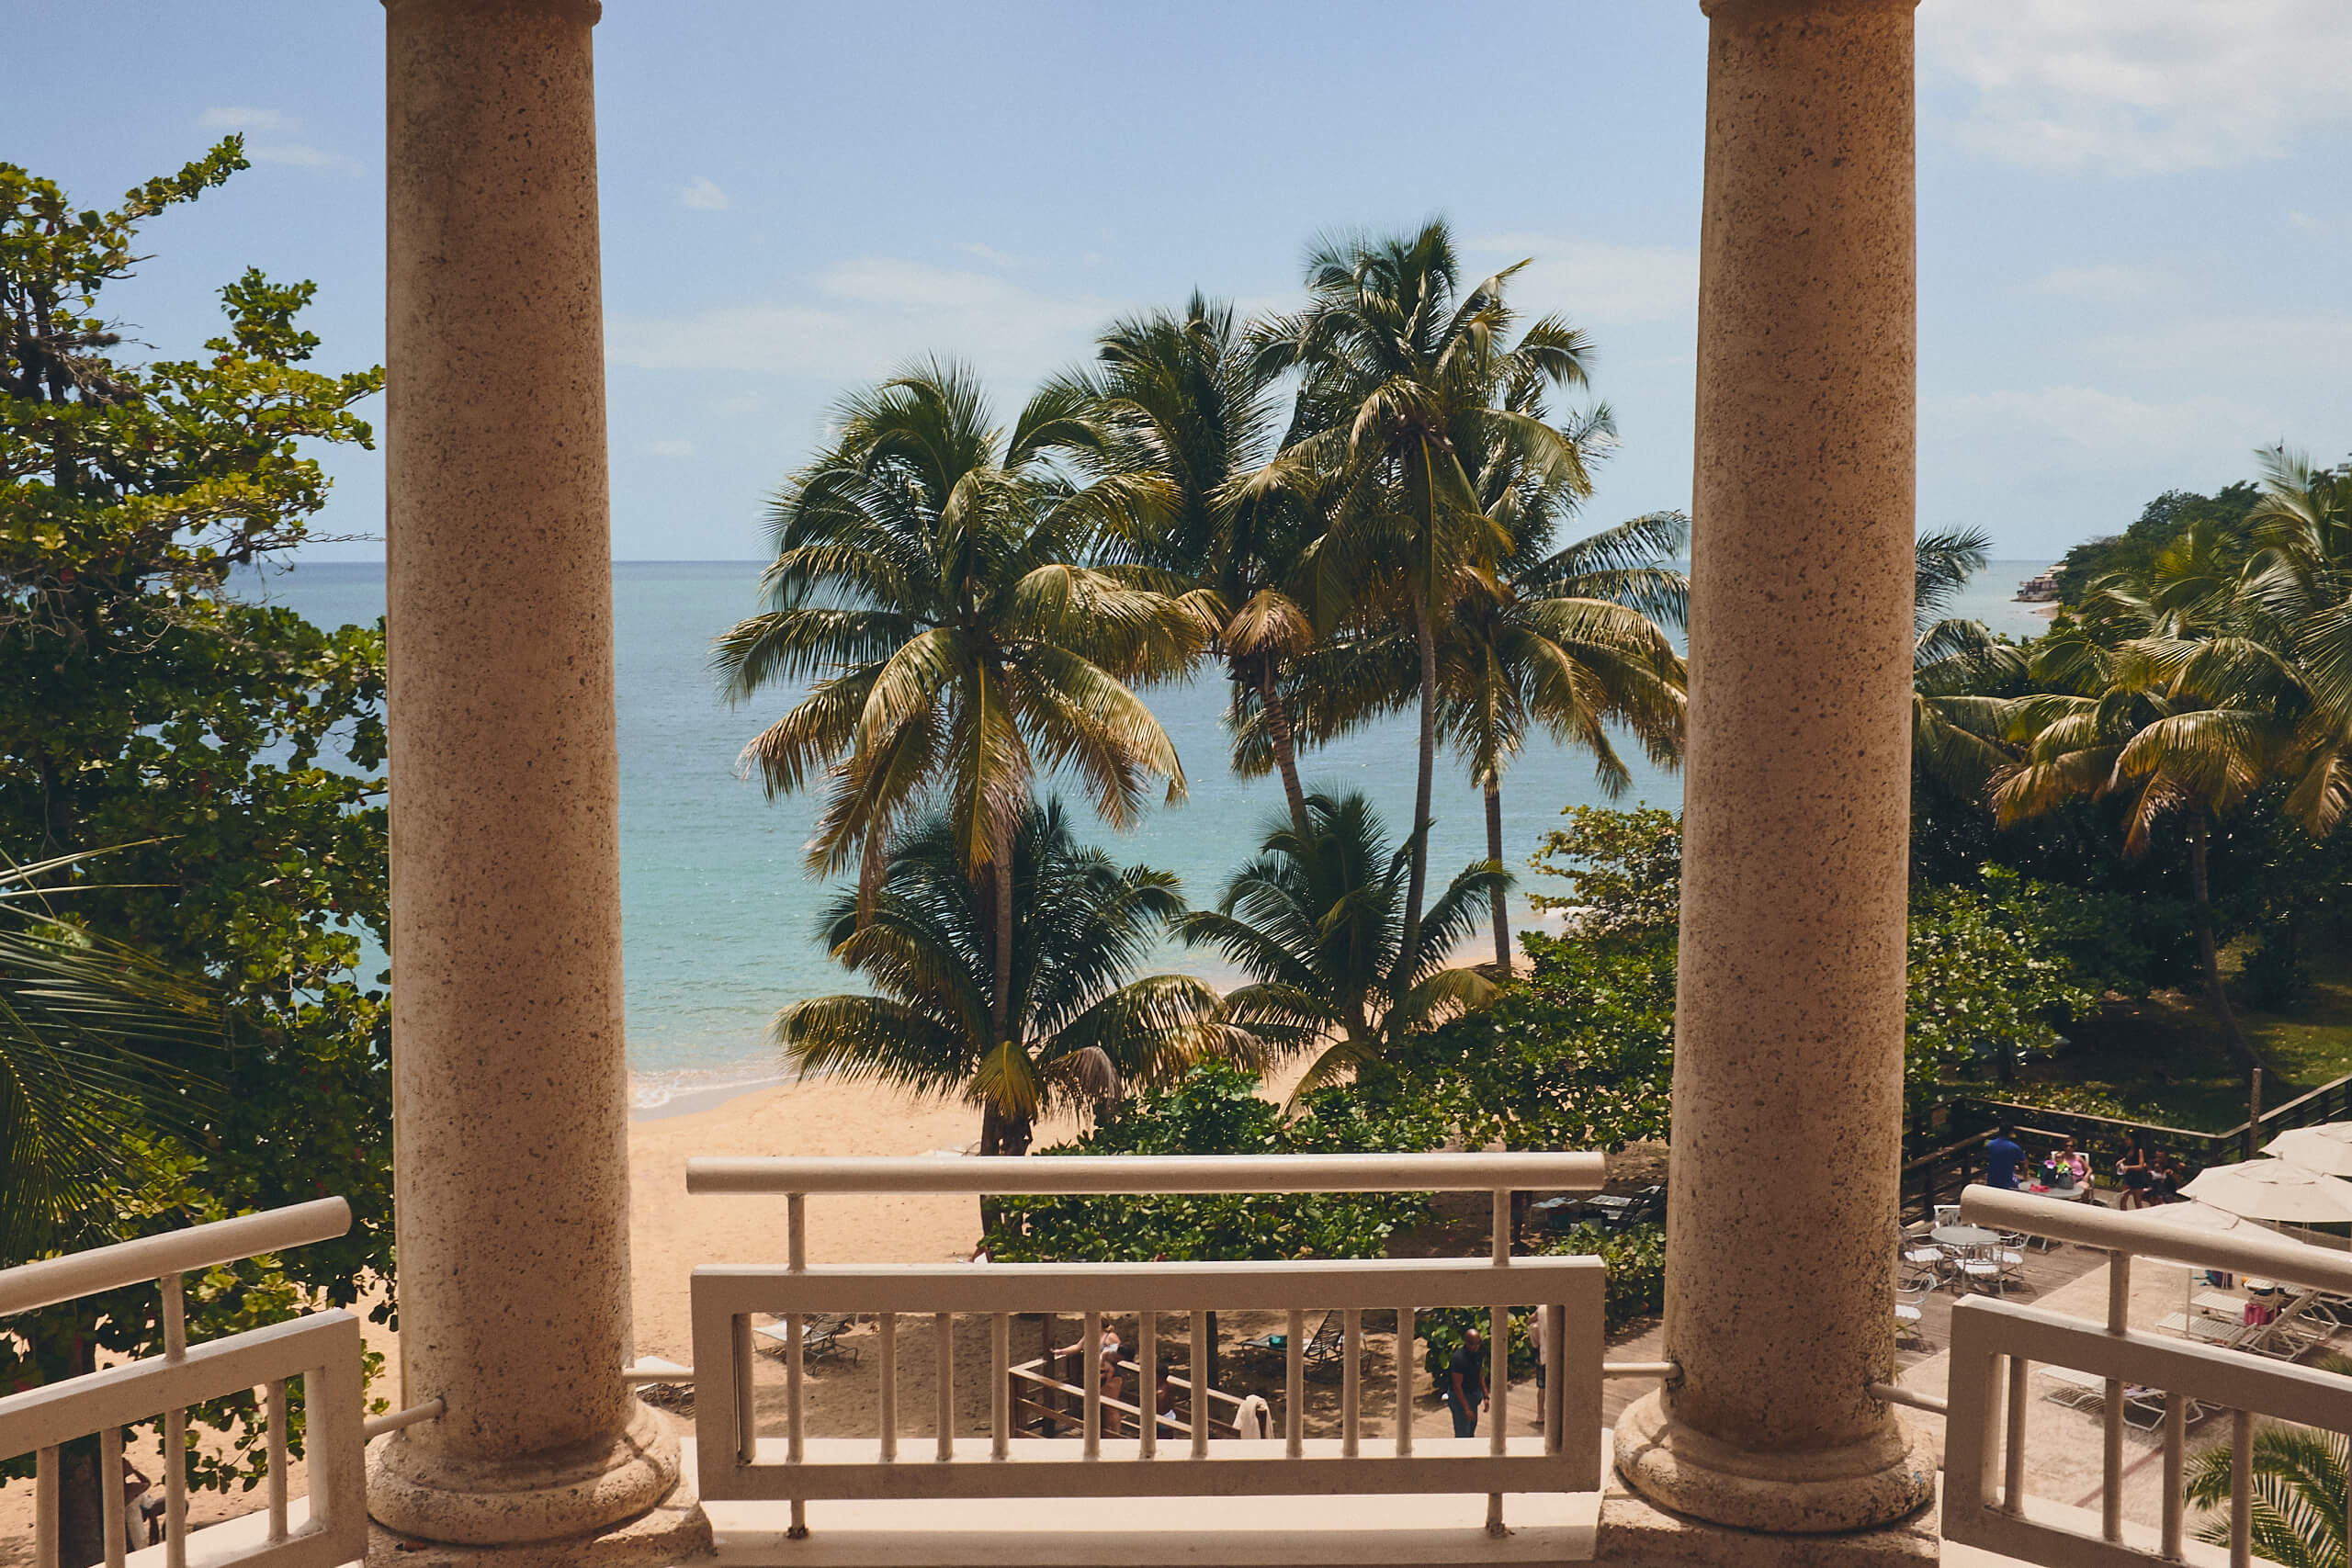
(716, 911)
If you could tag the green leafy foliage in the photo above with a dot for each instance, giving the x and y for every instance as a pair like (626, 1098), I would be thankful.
(1635, 1258)
(230, 749)
(1623, 870)
(1218, 1109)
(1578, 1055)
(1988, 980)
(2161, 522)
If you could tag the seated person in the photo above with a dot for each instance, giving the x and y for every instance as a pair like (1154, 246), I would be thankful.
(2002, 1157)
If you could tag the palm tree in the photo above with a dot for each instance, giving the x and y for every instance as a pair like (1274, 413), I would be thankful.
(933, 575)
(98, 1044)
(1956, 725)
(1404, 386)
(2299, 1480)
(2168, 705)
(1318, 922)
(1078, 1029)
(1189, 400)
(1570, 643)
(2295, 589)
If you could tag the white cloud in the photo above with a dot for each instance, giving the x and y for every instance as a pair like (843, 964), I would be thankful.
(987, 254)
(2108, 282)
(2142, 86)
(2091, 424)
(669, 448)
(2273, 345)
(702, 194)
(862, 318)
(1587, 281)
(294, 154)
(226, 119)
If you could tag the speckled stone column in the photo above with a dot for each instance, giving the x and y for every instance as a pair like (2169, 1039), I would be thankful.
(1789, 1058)
(510, 1098)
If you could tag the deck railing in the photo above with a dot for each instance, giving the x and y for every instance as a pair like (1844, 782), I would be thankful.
(323, 1349)
(740, 1460)
(1996, 1343)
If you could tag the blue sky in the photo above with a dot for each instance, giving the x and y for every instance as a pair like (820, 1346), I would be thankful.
(2135, 214)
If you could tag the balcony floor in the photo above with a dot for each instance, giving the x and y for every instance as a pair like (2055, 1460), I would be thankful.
(1223, 1532)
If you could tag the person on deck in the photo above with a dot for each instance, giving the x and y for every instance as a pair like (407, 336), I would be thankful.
(2132, 1171)
(2002, 1157)
(1465, 1383)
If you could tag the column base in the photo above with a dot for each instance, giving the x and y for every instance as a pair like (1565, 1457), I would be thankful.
(1818, 1492)
(622, 1502)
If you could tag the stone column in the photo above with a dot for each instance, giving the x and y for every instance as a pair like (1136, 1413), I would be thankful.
(510, 1098)
(1788, 1072)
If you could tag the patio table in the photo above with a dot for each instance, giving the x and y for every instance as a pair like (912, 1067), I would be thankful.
(1963, 1235)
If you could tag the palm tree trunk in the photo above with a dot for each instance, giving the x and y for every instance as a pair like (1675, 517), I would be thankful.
(1419, 883)
(2208, 950)
(1000, 987)
(1495, 853)
(1285, 752)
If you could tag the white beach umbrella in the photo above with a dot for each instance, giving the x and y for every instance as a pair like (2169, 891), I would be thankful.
(2183, 1217)
(2327, 1150)
(2273, 1190)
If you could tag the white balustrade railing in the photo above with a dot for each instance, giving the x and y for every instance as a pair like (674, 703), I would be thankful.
(1995, 1345)
(739, 1461)
(323, 1350)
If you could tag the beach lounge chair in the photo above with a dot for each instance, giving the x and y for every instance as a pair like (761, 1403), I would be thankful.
(821, 1337)
(1330, 1342)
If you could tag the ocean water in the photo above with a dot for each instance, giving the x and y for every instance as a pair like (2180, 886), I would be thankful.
(718, 912)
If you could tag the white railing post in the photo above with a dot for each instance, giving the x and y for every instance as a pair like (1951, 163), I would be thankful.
(1404, 1356)
(1996, 1343)
(325, 1348)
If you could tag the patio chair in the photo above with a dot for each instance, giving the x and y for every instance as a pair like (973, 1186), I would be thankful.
(1329, 1343)
(821, 1337)
(1986, 1273)
(1909, 1321)
(1920, 1266)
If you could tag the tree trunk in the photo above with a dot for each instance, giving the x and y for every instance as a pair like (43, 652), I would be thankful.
(2208, 950)
(1000, 996)
(1418, 884)
(81, 1520)
(1278, 735)
(1502, 896)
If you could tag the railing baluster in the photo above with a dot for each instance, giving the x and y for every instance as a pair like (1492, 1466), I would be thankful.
(277, 1459)
(174, 1431)
(1352, 1396)
(45, 1508)
(747, 1419)
(1403, 1383)
(112, 1505)
(1294, 1385)
(1148, 1377)
(1090, 1355)
(793, 1361)
(1196, 1402)
(889, 1352)
(1498, 1379)
(1001, 1386)
(944, 1327)
(2175, 1450)
(2119, 1318)
(2241, 1488)
(2013, 1449)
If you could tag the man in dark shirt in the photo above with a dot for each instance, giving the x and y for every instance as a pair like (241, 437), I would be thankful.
(2002, 1157)
(1465, 1384)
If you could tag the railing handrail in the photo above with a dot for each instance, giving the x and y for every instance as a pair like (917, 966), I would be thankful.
(1144, 1174)
(2265, 1256)
(189, 1251)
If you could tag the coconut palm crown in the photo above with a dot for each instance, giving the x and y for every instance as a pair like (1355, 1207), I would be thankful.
(937, 581)
(1317, 921)
(1079, 1028)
